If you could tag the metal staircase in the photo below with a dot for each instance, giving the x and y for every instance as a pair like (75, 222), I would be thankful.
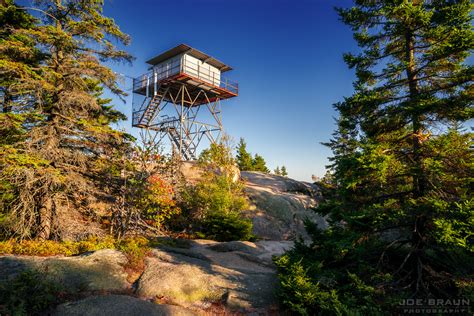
(153, 107)
(187, 149)
(171, 127)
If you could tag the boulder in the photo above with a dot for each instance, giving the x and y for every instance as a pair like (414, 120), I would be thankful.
(239, 275)
(280, 206)
(98, 271)
(118, 305)
(260, 252)
(192, 172)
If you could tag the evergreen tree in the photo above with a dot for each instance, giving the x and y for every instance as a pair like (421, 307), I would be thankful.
(244, 158)
(399, 201)
(283, 171)
(61, 156)
(245, 161)
(259, 164)
(277, 171)
(16, 50)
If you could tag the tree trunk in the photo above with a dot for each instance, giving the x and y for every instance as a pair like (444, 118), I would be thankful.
(418, 175)
(45, 219)
(419, 179)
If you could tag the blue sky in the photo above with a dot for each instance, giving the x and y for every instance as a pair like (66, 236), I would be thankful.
(287, 59)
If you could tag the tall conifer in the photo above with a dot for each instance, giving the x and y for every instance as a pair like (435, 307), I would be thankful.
(60, 161)
(243, 157)
(401, 201)
(259, 164)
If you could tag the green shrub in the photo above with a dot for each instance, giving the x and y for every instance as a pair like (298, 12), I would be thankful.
(28, 294)
(215, 203)
(329, 278)
(135, 249)
(69, 248)
(216, 194)
(301, 294)
(37, 247)
(93, 244)
(226, 227)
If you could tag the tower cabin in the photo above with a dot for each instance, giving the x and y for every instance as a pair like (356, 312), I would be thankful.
(184, 64)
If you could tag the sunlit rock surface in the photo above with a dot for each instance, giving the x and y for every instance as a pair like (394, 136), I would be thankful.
(281, 205)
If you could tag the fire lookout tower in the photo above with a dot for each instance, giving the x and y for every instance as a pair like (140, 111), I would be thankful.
(179, 98)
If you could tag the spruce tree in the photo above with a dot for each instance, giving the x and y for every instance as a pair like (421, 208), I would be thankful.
(277, 171)
(64, 158)
(259, 164)
(400, 200)
(243, 157)
(17, 51)
(283, 171)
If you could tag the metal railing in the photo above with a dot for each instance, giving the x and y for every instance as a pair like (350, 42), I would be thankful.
(168, 123)
(136, 116)
(188, 67)
(162, 123)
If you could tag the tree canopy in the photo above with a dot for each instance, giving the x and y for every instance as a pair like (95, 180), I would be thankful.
(59, 155)
(398, 199)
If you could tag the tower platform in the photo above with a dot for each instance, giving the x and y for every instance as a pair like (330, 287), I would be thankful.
(224, 89)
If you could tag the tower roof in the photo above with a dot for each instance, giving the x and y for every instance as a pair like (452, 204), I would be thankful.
(183, 48)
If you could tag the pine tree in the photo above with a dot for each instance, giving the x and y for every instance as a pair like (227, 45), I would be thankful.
(244, 158)
(277, 171)
(65, 157)
(283, 171)
(259, 164)
(399, 201)
(17, 51)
